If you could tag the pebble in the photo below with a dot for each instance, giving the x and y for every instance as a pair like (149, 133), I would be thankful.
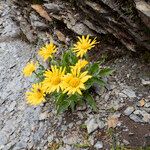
(50, 138)
(98, 145)
(101, 124)
(135, 118)
(128, 111)
(147, 105)
(43, 116)
(129, 92)
(92, 125)
(125, 142)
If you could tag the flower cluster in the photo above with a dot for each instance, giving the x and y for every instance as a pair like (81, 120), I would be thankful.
(69, 79)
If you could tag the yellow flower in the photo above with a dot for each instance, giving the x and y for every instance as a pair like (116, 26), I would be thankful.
(83, 45)
(79, 65)
(53, 79)
(29, 68)
(36, 96)
(74, 82)
(47, 51)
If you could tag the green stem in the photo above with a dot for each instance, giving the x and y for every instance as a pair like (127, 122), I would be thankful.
(37, 75)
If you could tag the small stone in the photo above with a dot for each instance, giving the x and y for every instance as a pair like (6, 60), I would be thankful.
(135, 118)
(43, 116)
(91, 140)
(147, 105)
(71, 139)
(3, 138)
(125, 142)
(21, 145)
(98, 145)
(91, 125)
(101, 124)
(129, 110)
(129, 92)
(144, 82)
(12, 106)
(70, 125)
(122, 95)
(143, 114)
(50, 138)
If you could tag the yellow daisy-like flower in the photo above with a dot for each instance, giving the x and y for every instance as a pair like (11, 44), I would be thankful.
(36, 96)
(79, 65)
(83, 45)
(29, 68)
(74, 82)
(47, 51)
(53, 79)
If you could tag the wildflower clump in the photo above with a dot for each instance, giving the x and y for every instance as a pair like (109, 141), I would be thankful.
(69, 78)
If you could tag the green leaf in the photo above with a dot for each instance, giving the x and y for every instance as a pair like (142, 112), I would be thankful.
(60, 99)
(94, 80)
(65, 59)
(91, 102)
(105, 72)
(72, 105)
(63, 106)
(94, 69)
(102, 59)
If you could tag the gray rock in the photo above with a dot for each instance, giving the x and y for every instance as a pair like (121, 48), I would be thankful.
(128, 111)
(71, 139)
(43, 116)
(3, 138)
(21, 145)
(147, 105)
(143, 115)
(135, 118)
(101, 124)
(92, 125)
(129, 92)
(98, 145)
(144, 82)
(125, 142)
(12, 106)
(50, 138)
(53, 7)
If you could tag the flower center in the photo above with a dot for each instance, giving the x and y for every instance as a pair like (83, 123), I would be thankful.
(56, 80)
(84, 46)
(39, 94)
(74, 82)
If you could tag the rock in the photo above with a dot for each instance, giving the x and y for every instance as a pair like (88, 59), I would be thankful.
(3, 138)
(71, 139)
(12, 106)
(125, 142)
(144, 82)
(143, 114)
(50, 138)
(147, 105)
(129, 92)
(144, 9)
(122, 95)
(98, 145)
(52, 7)
(135, 118)
(92, 125)
(128, 111)
(43, 116)
(91, 140)
(101, 124)
(20, 145)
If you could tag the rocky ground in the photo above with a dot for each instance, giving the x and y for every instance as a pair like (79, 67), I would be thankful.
(123, 105)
